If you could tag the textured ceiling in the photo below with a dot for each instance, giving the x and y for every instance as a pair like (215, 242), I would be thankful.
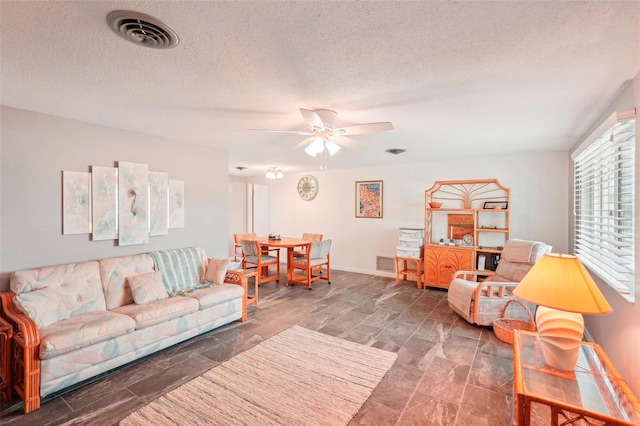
(455, 78)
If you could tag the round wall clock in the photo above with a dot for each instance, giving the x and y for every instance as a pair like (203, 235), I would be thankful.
(308, 187)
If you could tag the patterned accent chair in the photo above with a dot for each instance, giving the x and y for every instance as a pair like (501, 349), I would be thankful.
(482, 302)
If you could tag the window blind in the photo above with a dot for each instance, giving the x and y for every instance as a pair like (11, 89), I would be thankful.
(604, 205)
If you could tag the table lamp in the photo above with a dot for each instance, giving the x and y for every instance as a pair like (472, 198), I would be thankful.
(563, 288)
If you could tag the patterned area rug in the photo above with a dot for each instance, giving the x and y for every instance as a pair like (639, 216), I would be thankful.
(297, 377)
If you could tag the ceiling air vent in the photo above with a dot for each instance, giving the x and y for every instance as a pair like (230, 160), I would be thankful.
(143, 30)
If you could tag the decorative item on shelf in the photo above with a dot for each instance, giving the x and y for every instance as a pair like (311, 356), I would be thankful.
(563, 288)
(495, 205)
(467, 240)
(441, 242)
(435, 205)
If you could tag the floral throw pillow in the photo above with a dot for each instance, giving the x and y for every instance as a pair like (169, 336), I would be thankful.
(147, 288)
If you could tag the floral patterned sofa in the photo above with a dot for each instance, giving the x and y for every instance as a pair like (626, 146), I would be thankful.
(72, 322)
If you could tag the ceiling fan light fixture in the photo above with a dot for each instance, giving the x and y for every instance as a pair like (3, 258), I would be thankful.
(315, 147)
(274, 173)
(332, 147)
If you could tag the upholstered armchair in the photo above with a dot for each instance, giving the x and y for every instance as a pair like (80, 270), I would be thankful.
(482, 302)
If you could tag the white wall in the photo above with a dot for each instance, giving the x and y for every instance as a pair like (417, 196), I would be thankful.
(539, 206)
(36, 148)
(619, 332)
(237, 209)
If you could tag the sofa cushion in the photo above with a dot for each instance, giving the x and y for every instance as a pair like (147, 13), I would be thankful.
(78, 284)
(181, 269)
(217, 294)
(44, 306)
(82, 330)
(147, 287)
(216, 270)
(114, 272)
(159, 310)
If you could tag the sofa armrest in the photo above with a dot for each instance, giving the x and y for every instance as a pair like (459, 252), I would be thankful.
(238, 278)
(26, 349)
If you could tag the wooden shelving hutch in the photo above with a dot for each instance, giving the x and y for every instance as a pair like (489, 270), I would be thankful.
(486, 229)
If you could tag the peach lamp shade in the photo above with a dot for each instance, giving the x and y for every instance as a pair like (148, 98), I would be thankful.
(563, 288)
(561, 281)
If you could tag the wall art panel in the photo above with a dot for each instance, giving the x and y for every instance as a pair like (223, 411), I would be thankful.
(104, 201)
(133, 203)
(159, 203)
(76, 202)
(176, 203)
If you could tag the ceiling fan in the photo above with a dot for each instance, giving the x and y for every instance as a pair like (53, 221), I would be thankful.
(323, 134)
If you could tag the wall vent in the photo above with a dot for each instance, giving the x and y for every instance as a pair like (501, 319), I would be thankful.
(384, 263)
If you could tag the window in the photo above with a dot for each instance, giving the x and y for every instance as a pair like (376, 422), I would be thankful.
(604, 198)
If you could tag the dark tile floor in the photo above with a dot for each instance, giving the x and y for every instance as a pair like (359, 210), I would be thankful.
(447, 371)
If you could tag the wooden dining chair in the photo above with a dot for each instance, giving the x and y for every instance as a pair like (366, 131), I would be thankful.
(255, 253)
(307, 237)
(237, 247)
(317, 255)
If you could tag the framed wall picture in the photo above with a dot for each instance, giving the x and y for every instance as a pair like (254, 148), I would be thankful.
(369, 199)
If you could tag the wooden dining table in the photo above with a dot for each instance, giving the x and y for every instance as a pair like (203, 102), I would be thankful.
(284, 242)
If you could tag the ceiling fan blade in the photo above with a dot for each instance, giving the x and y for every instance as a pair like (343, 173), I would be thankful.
(312, 118)
(359, 129)
(349, 143)
(304, 142)
(297, 132)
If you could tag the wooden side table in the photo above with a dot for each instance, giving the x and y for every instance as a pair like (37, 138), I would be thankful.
(592, 391)
(6, 339)
(403, 269)
(252, 273)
